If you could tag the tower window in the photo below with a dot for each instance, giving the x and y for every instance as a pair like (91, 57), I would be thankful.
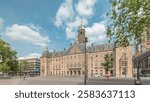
(82, 32)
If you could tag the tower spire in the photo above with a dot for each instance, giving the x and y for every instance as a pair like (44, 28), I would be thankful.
(81, 25)
(45, 52)
(81, 33)
(46, 47)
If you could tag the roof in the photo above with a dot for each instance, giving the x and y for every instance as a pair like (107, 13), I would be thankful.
(90, 49)
(45, 53)
(100, 48)
(57, 54)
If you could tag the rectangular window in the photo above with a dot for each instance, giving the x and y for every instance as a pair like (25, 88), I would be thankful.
(148, 36)
(96, 55)
(96, 64)
(101, 67)
(123, 63)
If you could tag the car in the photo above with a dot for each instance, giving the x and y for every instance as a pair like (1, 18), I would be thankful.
(146, 75)
(32, 75)
(141, 75)
(1, 74)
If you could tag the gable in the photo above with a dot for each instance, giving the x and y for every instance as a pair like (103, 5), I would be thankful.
(74, 49)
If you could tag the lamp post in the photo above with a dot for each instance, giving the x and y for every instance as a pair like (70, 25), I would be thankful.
(85, 67)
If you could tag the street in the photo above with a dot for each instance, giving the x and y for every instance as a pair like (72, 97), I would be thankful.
(68, 80)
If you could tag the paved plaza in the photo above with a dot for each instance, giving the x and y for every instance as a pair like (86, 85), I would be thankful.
(51, 80)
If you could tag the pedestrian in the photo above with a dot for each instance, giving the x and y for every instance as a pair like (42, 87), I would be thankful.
(24, 76)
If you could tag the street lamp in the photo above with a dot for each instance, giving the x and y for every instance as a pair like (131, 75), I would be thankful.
(85, 67)
(138, 81)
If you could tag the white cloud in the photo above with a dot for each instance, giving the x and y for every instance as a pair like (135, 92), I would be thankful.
(1, 22)
(70, 16)
(73, 26)
(85, 7)
(64, 12)
(28, 33)
(96, 33)
(31, 55)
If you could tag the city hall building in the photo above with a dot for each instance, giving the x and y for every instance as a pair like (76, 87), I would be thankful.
(71, 61)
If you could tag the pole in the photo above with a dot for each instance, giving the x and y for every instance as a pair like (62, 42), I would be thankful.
(85, 71)
(138, 70)
(138, 81)
(85, 67)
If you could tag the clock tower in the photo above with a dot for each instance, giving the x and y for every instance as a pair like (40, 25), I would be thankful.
(81, 34)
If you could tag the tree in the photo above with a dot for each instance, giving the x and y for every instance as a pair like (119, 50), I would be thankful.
(108, 64)
(4, 68)
(23, 65)
(129, 21)
(8, 58)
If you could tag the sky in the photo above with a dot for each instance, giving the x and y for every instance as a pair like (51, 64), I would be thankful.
(31, 25)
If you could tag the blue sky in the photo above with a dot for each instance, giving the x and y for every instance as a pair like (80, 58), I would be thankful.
(29, 25)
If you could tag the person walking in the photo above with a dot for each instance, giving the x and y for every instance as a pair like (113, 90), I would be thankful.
(24, 76)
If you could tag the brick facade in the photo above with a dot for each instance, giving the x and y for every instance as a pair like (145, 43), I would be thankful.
(71, 62)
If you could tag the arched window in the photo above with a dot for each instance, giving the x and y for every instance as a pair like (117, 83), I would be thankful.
(96, 55)
(96, 72)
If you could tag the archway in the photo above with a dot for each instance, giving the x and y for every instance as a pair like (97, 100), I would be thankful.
(123, 64)
(79, 72)
(74, 72)
(70, 72)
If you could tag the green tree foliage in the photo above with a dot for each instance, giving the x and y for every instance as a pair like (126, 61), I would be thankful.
(8, 58)
(23, 65)
(129, 19)
(108, 64)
